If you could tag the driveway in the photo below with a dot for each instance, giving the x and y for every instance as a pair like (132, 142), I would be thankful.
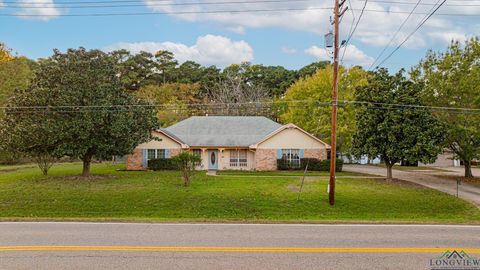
(466, 191)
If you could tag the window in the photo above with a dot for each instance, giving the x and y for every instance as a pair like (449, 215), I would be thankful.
(197, 152)
(238, 158)
(292, 156)
(155, 154)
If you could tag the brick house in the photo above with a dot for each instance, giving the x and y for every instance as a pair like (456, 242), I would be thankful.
(231, 143)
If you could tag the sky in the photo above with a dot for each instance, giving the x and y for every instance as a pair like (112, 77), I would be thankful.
(292, 36)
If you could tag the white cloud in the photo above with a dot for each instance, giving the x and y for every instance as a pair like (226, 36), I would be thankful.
(353, 55)
(375, 28)
(288, 50)
(208, 50)
(447, 37)
(38, 9)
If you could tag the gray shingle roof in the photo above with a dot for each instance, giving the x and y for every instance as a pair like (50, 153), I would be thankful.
(223, 130)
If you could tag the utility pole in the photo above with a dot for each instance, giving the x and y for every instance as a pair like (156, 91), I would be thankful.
(333, 150)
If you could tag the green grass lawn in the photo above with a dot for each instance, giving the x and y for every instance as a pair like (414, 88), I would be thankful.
(114, 194)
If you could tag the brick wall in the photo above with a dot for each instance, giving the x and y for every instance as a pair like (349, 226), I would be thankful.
(266, 160)
(134, 161)
(175, 152)
(316, 153)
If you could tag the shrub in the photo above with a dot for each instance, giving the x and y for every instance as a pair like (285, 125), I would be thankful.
(186, 163)
(313, 165)
(162, 164)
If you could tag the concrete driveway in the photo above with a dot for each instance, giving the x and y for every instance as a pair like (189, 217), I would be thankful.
(466, 191)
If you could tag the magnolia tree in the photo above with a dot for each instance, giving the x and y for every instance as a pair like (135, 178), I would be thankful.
(397, 132)
(76, 106)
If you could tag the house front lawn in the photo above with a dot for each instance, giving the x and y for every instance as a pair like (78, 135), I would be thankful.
(113, 194)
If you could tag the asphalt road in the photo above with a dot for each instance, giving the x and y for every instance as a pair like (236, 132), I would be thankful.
(228, 246)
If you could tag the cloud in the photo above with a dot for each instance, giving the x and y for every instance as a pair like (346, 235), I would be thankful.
(287, 50)
(208, 50)
(43, 10)
(353, 55)
(447, 37)
(375, 29)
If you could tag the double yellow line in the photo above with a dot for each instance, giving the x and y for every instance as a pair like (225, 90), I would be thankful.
(235, 249)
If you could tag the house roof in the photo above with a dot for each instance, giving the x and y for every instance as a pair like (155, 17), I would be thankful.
(240, 131)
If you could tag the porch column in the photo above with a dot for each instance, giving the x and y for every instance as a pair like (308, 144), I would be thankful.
(204, 159)
(220, 158)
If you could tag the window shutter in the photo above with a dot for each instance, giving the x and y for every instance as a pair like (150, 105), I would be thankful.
(144, 158)
(302, 153)
(279, 153)
(167, 153)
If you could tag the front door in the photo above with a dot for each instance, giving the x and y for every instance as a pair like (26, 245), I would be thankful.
(212, 159)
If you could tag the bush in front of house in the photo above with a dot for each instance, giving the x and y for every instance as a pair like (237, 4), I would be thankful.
(313, 165)
(162, 164)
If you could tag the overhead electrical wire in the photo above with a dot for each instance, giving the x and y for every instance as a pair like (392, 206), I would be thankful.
(414, 31)
(394, 35)
(199, 106)
(220, 12)
(427, 4)
(142, 4)
(354, 29)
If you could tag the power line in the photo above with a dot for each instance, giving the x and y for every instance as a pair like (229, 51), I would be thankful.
(297, 103)
(354, 29)
(395, 35)
(413, 32)
(142, 4)
(426, 4)
(224, 11)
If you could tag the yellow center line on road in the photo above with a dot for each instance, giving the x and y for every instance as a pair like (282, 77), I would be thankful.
(237, 249)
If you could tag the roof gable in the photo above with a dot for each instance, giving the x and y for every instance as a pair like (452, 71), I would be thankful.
(290, 126)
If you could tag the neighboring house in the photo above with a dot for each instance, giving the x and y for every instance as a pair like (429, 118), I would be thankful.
(444, 159)
(363, 160)
(231, 143)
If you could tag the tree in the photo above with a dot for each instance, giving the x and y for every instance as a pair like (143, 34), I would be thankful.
(175, 97)
(135, 70)
(314, 115)
(5, 53)
(235, 95)
(15, 73)
(186, 163)
(275, 79)
(312, 68)
(452, 79)
(391, 132)
(76, 106)
(165, 64)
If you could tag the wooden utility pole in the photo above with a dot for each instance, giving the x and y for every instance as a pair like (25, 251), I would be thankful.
(333, 150)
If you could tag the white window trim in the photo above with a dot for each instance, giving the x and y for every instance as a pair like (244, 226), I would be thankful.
(292, 156)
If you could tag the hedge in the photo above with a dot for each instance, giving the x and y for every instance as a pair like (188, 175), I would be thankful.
(313, 165)
(162, 164)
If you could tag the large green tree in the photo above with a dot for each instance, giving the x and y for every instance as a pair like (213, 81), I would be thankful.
(15, 73)
(314, 112)
(77, 106)
(398, 132)
(452, 79)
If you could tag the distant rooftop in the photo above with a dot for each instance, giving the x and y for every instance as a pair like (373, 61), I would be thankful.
(223, 130)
